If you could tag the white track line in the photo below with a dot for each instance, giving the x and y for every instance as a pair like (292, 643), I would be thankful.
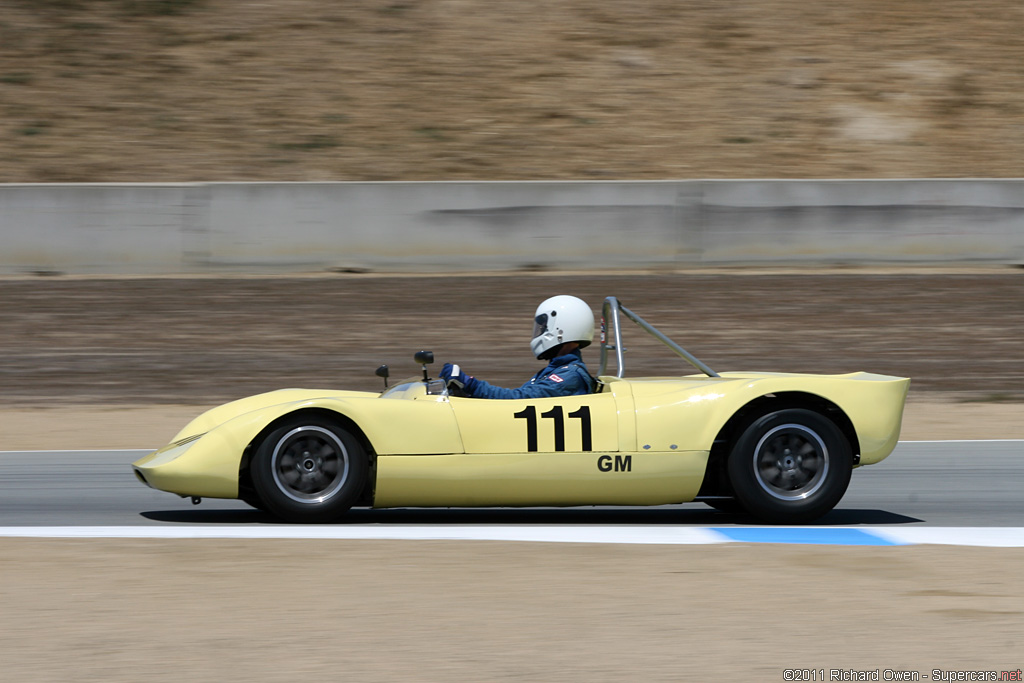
(990, 537)
(997, 537)
(652, 534)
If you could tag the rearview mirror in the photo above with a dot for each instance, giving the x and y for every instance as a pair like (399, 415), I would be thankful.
(384, 372)
(424, 358)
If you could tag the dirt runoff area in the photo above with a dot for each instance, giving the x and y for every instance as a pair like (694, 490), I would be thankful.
(483, 611)
(125, 363)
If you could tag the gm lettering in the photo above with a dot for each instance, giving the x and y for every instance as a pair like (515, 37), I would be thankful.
(621, 463)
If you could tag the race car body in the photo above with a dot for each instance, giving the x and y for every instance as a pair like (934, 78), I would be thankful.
(779, 446)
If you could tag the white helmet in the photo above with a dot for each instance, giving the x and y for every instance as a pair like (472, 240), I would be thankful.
(561, 319)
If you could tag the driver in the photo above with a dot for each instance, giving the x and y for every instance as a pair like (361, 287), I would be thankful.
(562, 326)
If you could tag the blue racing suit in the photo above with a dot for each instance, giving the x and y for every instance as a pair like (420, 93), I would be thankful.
(565, 375)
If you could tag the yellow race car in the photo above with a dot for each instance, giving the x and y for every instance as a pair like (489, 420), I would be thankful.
(778, 446)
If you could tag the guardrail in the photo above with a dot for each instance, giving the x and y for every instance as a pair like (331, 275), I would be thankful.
(274, 227)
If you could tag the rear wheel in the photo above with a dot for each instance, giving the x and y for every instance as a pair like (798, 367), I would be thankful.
(790, 466)
(309, 470)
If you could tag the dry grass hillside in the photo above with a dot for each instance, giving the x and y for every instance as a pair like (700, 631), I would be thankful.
(167, 90)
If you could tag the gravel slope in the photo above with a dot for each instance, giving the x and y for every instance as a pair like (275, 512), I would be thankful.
(171, 90)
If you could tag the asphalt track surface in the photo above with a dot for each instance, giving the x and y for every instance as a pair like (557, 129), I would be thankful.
(941, 484)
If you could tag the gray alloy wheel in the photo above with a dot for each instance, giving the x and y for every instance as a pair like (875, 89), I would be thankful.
(309, 464)
(791, 462)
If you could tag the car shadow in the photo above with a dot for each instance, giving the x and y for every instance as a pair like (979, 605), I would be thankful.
(668, 515)
(245, 516)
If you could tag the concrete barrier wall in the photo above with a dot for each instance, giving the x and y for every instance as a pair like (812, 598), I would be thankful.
(862, 221)
(266, 227)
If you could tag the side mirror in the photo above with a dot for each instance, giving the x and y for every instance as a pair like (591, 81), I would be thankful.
(424, 358)
(384, 372)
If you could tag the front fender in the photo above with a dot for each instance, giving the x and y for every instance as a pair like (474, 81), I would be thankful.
(206, 464)
(220, 415)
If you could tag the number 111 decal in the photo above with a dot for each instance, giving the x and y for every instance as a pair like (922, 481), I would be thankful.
(557, 416)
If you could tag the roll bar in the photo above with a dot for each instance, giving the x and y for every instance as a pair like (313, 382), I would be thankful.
(610, 312)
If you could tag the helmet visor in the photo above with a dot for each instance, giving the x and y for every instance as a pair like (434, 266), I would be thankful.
(540, 325)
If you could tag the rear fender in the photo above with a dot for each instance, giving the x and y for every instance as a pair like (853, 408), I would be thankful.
(869, 408)
(716, 480)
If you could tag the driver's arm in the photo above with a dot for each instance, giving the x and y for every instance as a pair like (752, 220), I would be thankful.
(569, 383)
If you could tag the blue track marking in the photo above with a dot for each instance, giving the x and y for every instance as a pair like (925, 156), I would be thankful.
(804, 536)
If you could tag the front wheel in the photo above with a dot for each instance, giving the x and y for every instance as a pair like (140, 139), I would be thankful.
(790, 466)
(309, 470)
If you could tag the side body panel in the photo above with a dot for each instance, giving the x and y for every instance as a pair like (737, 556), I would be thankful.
(519, 480)
(559, 458)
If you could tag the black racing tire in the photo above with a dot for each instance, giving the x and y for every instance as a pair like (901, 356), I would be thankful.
(790, 466)
(309, 469)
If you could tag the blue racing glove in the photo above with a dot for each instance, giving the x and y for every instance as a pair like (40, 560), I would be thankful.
(454, 376)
